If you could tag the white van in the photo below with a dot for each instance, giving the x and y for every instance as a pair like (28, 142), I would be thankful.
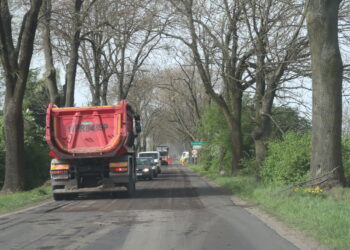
(185, 155)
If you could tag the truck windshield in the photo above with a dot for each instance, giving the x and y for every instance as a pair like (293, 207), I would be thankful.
(152, 155)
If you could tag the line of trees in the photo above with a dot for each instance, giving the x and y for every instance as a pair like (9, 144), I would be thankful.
(239, 55)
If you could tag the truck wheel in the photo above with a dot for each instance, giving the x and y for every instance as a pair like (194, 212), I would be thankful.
(58, 197)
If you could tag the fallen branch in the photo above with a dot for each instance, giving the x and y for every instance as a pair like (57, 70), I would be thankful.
(311, 180)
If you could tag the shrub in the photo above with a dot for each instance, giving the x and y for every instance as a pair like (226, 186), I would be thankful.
(346, 158)
(288, 161)
(35, 153)
(216, 153)
(35, 148)
(2, 152)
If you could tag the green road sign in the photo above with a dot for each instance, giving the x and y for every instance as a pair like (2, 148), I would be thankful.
(197, 143)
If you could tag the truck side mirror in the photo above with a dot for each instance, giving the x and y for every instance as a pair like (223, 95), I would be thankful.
(137, 124)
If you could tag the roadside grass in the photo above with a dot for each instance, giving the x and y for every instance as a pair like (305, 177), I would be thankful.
(325, 216)
(10, 202)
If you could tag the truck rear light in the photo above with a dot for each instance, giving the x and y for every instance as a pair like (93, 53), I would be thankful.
(119, 170)
(59, 167)
(59, 171)
(118, 164)
(59, 174)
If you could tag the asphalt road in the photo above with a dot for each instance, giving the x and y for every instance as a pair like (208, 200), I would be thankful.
(177, 210)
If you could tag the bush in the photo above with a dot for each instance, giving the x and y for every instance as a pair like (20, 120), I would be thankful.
(2, 152)
(346, 158)
(216, 153)
(35, 153)
(288, 161)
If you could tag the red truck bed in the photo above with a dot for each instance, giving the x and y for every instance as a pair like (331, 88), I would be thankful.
(81, 132)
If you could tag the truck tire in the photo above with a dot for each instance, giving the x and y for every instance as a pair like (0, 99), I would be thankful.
(58, 197)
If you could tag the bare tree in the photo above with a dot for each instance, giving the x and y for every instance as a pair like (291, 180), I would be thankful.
(137, 33)
(15, 60)
(183, 97)
(95, 51)
(68, 22)
(119, 38)
(326, 160)
(216, 38)
(144, 98)
(275, 29)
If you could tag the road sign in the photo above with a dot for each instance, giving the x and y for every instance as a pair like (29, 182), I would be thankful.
(197, 144)
(194, 153)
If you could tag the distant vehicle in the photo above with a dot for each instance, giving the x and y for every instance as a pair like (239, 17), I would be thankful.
(145, 168)
(164, 153)
(155, 155)
(184, 157)
(92, 147)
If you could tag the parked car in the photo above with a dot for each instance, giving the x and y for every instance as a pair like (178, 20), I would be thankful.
(145, 168)
(155, 155)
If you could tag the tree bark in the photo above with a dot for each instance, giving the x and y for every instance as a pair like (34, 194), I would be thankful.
(15, 62)
(144, 143)
(14, 146)
(263, 109)
(322, 24)
(236, 132)
(104, 92)
(50, 75)
(74, 57)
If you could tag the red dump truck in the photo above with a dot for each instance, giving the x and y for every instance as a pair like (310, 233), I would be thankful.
(92, 148)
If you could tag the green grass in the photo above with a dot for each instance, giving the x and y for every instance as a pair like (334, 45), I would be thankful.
(324, 216)
(10, 202)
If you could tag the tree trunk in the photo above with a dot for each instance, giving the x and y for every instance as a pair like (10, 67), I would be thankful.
(71, 73)
(15, 61)
(260, 152)
(236, 132)
(14, 146)
(144, 143)
(74, 57)
(50, 74)
(236, 140)
(326, 160)
(104, 92)
(262, 129)
(96, 95)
